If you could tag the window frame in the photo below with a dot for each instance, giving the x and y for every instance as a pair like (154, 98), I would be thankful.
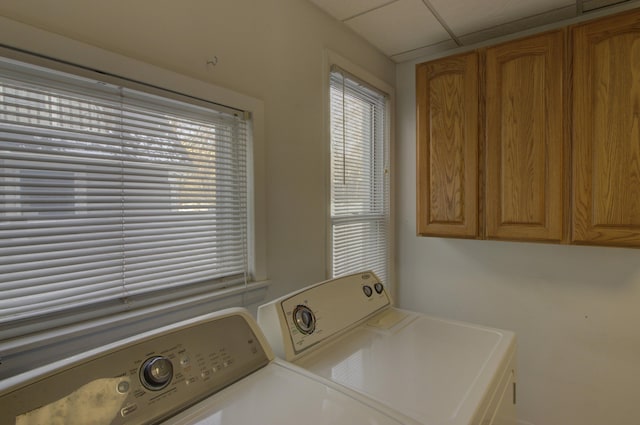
(27, 44)
(331, 59)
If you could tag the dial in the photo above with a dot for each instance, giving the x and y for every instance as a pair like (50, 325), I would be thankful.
(156, 373)
(304, 319)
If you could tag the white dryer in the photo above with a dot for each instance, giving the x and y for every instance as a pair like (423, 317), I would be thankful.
(436, 371)
(215, 369)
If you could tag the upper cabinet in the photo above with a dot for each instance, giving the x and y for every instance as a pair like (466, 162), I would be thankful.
(536, 139)
(606, 131)
(526, 158)
(447, 148)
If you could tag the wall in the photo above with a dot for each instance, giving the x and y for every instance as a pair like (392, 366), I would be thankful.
(268, 49)
(574, 309)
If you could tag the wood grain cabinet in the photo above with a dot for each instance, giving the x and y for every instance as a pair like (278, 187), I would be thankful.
(526, 143)
(535, 139)
(447, 146)
(606, 131)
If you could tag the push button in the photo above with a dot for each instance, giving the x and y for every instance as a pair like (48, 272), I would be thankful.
(378, 287)
(367, 290)
(123, 387)
(128, 410)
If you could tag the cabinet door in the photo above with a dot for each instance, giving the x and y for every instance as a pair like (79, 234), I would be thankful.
(606, 131)
(526, 139)
(447, 146)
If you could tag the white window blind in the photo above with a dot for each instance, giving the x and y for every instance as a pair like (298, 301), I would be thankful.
(359, 177)
(113, 197)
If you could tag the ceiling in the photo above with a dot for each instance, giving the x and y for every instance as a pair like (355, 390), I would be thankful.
(408, 29)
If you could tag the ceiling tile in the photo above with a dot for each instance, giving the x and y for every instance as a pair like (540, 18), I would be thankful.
(468, 16)
(399, 27)
(519, 25)
(430, 50)
(341, 9)
(588, 5)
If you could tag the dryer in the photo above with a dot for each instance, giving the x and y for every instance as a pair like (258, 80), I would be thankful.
(433, 370)
(216, 369)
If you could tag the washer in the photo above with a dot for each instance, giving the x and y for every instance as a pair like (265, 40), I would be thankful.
(435, 371)
(214, 369)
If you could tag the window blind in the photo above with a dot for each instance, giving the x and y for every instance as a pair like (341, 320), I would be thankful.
(113, 196)
(359, 177)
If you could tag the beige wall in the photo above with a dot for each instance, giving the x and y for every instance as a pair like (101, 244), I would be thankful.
(269, 49)
(575, 309)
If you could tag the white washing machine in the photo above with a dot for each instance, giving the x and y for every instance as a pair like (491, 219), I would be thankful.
(216, 369)
(433, 370)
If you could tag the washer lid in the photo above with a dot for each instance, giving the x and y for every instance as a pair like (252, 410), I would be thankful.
(433, 370)
(276, 395)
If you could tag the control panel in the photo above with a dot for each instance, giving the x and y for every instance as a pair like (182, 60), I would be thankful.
(146, 380)
(299, 321)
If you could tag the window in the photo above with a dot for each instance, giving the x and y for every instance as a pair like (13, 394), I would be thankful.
(359, 177)
(113, 198)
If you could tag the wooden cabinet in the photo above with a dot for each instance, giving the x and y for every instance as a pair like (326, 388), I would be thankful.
(537, 139)
(447, 147)
(525, 142)
(526, 158)
(606, 131)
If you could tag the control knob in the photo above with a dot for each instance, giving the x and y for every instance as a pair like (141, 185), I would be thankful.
(156, 373)
(304, 319)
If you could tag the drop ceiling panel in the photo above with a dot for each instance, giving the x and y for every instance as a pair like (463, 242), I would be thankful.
(596, 4)
(432, 49)
(399, 27)
(345, 9)
(468, 16)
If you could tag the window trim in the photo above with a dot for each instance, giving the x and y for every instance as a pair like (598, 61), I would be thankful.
(28, 44)
(332, 58)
